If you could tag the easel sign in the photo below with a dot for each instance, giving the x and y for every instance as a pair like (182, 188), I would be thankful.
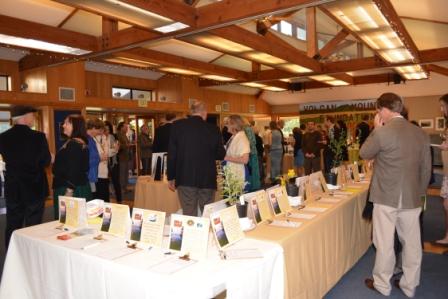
(278, 200)
(258, 206)
(226, 227)
(72, 211)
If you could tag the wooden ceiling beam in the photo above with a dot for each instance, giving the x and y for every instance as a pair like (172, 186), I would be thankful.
(170, 60)
(129, 36)
(109, 27)
(175, 10)
(330, 47)
(234, 10)
(388, 11)
(37, 59)
(311, 33)
(437, 69)
(262, 44)
(344, 77)
(26, 29)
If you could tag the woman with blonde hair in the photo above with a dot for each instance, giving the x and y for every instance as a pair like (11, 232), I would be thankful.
(238, 147)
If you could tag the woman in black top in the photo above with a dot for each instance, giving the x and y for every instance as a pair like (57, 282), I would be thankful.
(71, 163)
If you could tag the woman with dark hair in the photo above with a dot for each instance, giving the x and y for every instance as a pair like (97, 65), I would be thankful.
(71, 164)
(114, 169)
(275, 151)
(123, 155)
(444, 151)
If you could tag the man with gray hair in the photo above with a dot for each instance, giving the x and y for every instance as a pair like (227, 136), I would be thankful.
(194, 147)
(401, 152)
(26, 155)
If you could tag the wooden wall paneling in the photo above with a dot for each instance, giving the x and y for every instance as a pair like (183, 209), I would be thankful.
(169, 88)
(36, 80)
(11, 68)
(70, 75)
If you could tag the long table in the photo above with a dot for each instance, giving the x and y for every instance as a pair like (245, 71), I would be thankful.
(40, 266)
(322, 249)
(155, 195)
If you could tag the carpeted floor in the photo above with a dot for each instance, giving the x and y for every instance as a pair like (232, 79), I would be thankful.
(434, 266)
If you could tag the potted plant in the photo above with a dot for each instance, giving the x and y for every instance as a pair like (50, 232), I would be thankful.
(289, 181)
(337, 146)
(233, 188)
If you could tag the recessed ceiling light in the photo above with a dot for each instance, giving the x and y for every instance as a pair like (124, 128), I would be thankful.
(295, 68)
(217, 78)
(254, 84)
(222, 44)
(179, 71)
(265, 58)
(273, 88)
(132, 62)
(41, 45)
(171, 27)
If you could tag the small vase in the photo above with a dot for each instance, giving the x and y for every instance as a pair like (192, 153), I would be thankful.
(292, 189)
(331, 178)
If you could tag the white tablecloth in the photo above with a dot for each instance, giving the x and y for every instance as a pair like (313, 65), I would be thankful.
(40, 266)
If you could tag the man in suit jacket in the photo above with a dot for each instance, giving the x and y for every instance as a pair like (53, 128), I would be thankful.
(402, 170)
(194, 147)
(162, 135)
(26, 155)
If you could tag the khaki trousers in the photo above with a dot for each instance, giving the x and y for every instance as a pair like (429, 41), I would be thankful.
(385, 220)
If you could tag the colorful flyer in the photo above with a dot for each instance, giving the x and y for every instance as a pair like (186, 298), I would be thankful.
(226, 227)
(258, 206)
(189, 235)
(72, 211)
(278, 199)
(115, 219)
(147, 227)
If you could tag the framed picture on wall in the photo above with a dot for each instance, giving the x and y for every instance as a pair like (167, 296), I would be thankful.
(440, 124)
(225, 106)
(426, 123)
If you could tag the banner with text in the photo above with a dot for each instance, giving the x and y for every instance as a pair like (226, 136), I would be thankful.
(337, 106)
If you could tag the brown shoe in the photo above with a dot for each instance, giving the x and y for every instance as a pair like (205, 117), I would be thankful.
(369, 283)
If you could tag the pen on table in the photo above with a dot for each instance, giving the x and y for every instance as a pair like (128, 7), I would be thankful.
(91, 245)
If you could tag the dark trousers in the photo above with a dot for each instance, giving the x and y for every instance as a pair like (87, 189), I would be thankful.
(115, 178)
(102, 190)
(191, 197)
(23, 208)
(311, 165)
(146, 166)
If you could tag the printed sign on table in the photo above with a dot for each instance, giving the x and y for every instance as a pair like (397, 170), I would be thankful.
(278, 199)
(147, 227)
(115, 219)
(226, 227)
(72, 211)
(258, 206)
(189, 235)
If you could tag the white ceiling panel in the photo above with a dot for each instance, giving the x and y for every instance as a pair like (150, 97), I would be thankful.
(85, 22)
(12, 54)
(40, 11)
(180, 48)
(234, 63)
(422, 9)
(427, 35)
(114, 69)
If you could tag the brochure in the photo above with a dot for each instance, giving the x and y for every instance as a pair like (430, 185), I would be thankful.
(189, 235)
(72, 211)
(226, 227)
(278, 199)
(147, 227)
(115, 219)
(258, 206)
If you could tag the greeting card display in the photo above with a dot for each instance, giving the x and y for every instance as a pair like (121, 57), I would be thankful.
(278, 199)
(115, 219)
(354, 172)
(189, 235)
(226, 227)
(258, 206)
(304, 187)
(147, 227)
(214, 207)
(72, 211)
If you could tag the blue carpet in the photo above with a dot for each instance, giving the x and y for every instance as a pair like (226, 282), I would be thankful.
(434, 274)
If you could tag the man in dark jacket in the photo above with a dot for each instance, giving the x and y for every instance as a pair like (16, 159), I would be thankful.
(162, 135)
(26, 155)
(194, 147)
(363, 130)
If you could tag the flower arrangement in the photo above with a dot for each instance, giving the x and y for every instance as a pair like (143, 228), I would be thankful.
(287, 177)
(233, 186)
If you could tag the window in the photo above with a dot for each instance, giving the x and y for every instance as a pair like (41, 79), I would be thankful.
(274, 27)
(4, 120)
(301, 33)
(286, 28)
(5, 83)
(131, 94)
